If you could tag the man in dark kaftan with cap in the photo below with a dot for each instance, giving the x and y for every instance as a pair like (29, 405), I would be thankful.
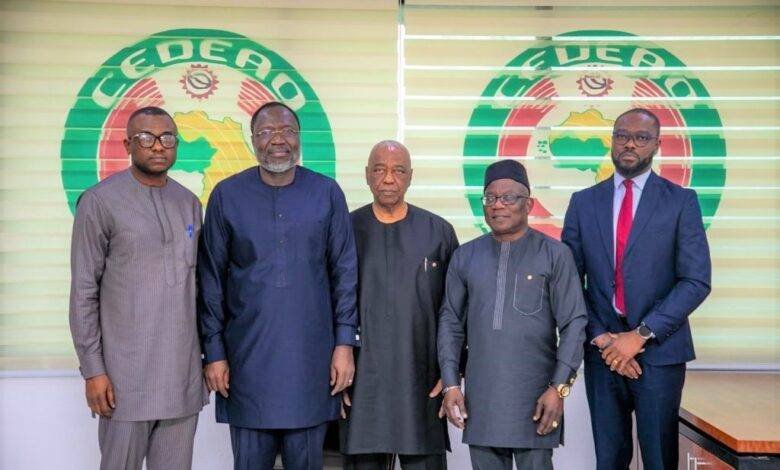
(515, 294)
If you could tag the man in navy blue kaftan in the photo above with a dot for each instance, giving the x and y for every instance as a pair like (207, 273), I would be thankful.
(278, 273)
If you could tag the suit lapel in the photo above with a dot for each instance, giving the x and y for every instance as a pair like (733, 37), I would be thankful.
(604, 196)
(646, 208)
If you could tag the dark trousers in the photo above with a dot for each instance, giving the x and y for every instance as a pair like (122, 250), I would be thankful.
(387, 462)
(496, 458)
(655, 399)
(256, 449)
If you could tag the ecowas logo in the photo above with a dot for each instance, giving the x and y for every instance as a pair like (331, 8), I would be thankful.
(211, 82)
(554, 105)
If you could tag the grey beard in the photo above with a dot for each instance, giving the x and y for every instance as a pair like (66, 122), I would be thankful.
(278, 167)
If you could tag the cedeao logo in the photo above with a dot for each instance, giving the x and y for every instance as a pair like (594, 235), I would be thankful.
(554, 105)
(211, 81)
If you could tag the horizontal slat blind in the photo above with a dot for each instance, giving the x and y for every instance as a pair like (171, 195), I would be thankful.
(454, 80)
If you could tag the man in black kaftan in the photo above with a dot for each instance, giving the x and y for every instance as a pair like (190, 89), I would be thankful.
(403, 253)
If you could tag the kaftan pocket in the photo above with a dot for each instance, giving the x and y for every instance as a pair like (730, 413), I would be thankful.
(528, 293)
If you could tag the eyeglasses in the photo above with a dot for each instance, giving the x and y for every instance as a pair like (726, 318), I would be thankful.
(506, 199)
(622, 138)
(147, 139)
(287, 133)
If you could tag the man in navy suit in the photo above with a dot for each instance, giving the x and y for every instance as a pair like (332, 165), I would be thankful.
(639, 244)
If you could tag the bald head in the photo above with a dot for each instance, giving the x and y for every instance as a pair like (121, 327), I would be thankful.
(389, 173)
(390, 147)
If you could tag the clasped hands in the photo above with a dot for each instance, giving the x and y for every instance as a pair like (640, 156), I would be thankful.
(619, 352)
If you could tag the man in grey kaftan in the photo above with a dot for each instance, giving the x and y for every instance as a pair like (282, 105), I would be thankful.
(132, 304)
(515, 294)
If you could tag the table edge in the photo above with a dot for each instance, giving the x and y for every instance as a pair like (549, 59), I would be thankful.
(741, 446)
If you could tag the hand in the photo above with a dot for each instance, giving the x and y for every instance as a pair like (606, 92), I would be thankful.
(630, 369)
(623, 348)
(455, 408)
(217, 375)
(549, 409)
(342, 369)
(435, 390)
(100, 395)
(345, 403)
(603, 340)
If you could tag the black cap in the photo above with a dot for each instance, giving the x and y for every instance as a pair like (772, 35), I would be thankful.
(507, 169)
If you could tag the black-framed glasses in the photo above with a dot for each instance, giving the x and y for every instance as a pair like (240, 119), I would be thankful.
(287, 133)
(506, 199)
(147, 139)
(641, 139)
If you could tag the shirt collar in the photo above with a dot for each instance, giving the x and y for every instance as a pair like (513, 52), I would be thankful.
(639, 181)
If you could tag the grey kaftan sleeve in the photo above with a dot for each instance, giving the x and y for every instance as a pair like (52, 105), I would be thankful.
(571, 317)
(452, 323)
(89, 248)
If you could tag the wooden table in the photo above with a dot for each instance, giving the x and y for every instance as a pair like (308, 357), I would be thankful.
(730, 420)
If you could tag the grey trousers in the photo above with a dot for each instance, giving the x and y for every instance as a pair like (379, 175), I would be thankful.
(165, 444)
(387, 462)
(495, 458)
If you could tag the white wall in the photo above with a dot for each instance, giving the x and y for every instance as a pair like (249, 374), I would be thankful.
(45, 424)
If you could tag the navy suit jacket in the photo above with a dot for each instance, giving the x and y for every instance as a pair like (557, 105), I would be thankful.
(666, 265)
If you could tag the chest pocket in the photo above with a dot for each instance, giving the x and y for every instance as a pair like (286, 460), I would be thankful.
(191, 245)
(528, 293)
(180, 253)
(185, 244)
(429, 282)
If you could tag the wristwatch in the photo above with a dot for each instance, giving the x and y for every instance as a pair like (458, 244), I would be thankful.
(645, 332)
(563, 390)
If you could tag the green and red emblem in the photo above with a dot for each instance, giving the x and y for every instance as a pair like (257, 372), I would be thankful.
(211, 81)
(553, 108)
